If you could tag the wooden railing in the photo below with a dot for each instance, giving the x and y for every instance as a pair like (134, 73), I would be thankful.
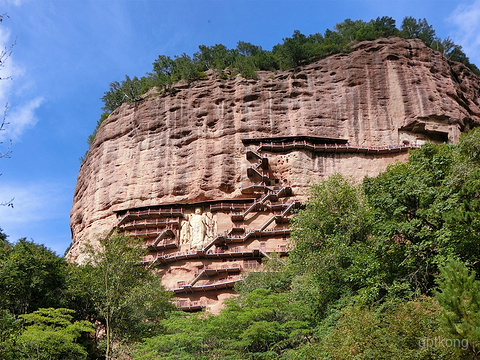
(340, 148)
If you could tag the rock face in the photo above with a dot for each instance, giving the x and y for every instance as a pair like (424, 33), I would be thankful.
(204, 145)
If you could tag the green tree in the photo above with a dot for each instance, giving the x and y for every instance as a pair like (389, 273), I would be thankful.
(183, 338)
(163, 72)
(459, 295)
(399, 330)
(50, 334)
(222, 57)
(246, 67)
(385, 26)
(420, 29)
(113, 98)
(445, 46)
(349, 30)
(185, 69)
(333, 254)
(204, 57)
(132, 88)
(9, 328)
(266, 60)
(128, 298)
(293, 52)
(457, 54)
(410, 201)
(217, 57)
(260, 325)
(31, 277)
(247, 49)
(128, 90)
(275, 276)
(334, 43)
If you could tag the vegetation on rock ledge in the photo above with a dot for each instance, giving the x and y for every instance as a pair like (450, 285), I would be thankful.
(246, 59)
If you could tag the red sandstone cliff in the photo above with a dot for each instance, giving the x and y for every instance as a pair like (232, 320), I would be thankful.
(187, 147)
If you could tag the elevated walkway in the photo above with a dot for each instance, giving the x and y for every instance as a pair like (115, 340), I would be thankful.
(203, 288)
(262, 231)
(222, 255)
(252, 154)
(212, 272)
(271, 195)
(230, 206)
(143, 214)
(148, 223)
(333, 148)
(262, 163)
(190, 306)
(166, 259)
(165, 240)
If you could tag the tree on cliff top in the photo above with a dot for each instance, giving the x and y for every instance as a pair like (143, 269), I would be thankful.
(299, 49)
(246, 59)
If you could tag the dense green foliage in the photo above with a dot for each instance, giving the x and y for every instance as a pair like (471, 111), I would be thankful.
(360, 280)
(396, 331)
(31, 277)
(51, 334)
(459, 296)
(246, 59)
(128, 298)
(262, 325)
(46, 334)
(49, 308)
(385, 269)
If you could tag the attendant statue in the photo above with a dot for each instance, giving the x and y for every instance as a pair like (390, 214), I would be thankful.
(211, 222)
(185, 232)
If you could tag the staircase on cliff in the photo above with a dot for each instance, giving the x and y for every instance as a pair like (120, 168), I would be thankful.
(210, 175)
(259, 225)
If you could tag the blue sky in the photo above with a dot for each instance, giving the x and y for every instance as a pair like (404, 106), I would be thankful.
(68, 51)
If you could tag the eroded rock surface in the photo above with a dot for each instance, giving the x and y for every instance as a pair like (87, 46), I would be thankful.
(188, 148)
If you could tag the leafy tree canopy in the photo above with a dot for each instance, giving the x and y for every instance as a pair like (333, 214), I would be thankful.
(387, 268)
(459, 296)
(386, 238)
(31, 277)
(262, 325)
(128, 298)
(50, 334)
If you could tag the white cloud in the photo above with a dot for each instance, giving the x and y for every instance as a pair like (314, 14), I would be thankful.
(33, 202)
(21, 115)
(11, 2)
(21, 119)
(38, 213)
(466, 19)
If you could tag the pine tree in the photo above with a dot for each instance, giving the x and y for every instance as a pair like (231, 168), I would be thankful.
(459, 296)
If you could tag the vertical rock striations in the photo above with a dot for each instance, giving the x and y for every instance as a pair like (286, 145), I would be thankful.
(193, 147)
